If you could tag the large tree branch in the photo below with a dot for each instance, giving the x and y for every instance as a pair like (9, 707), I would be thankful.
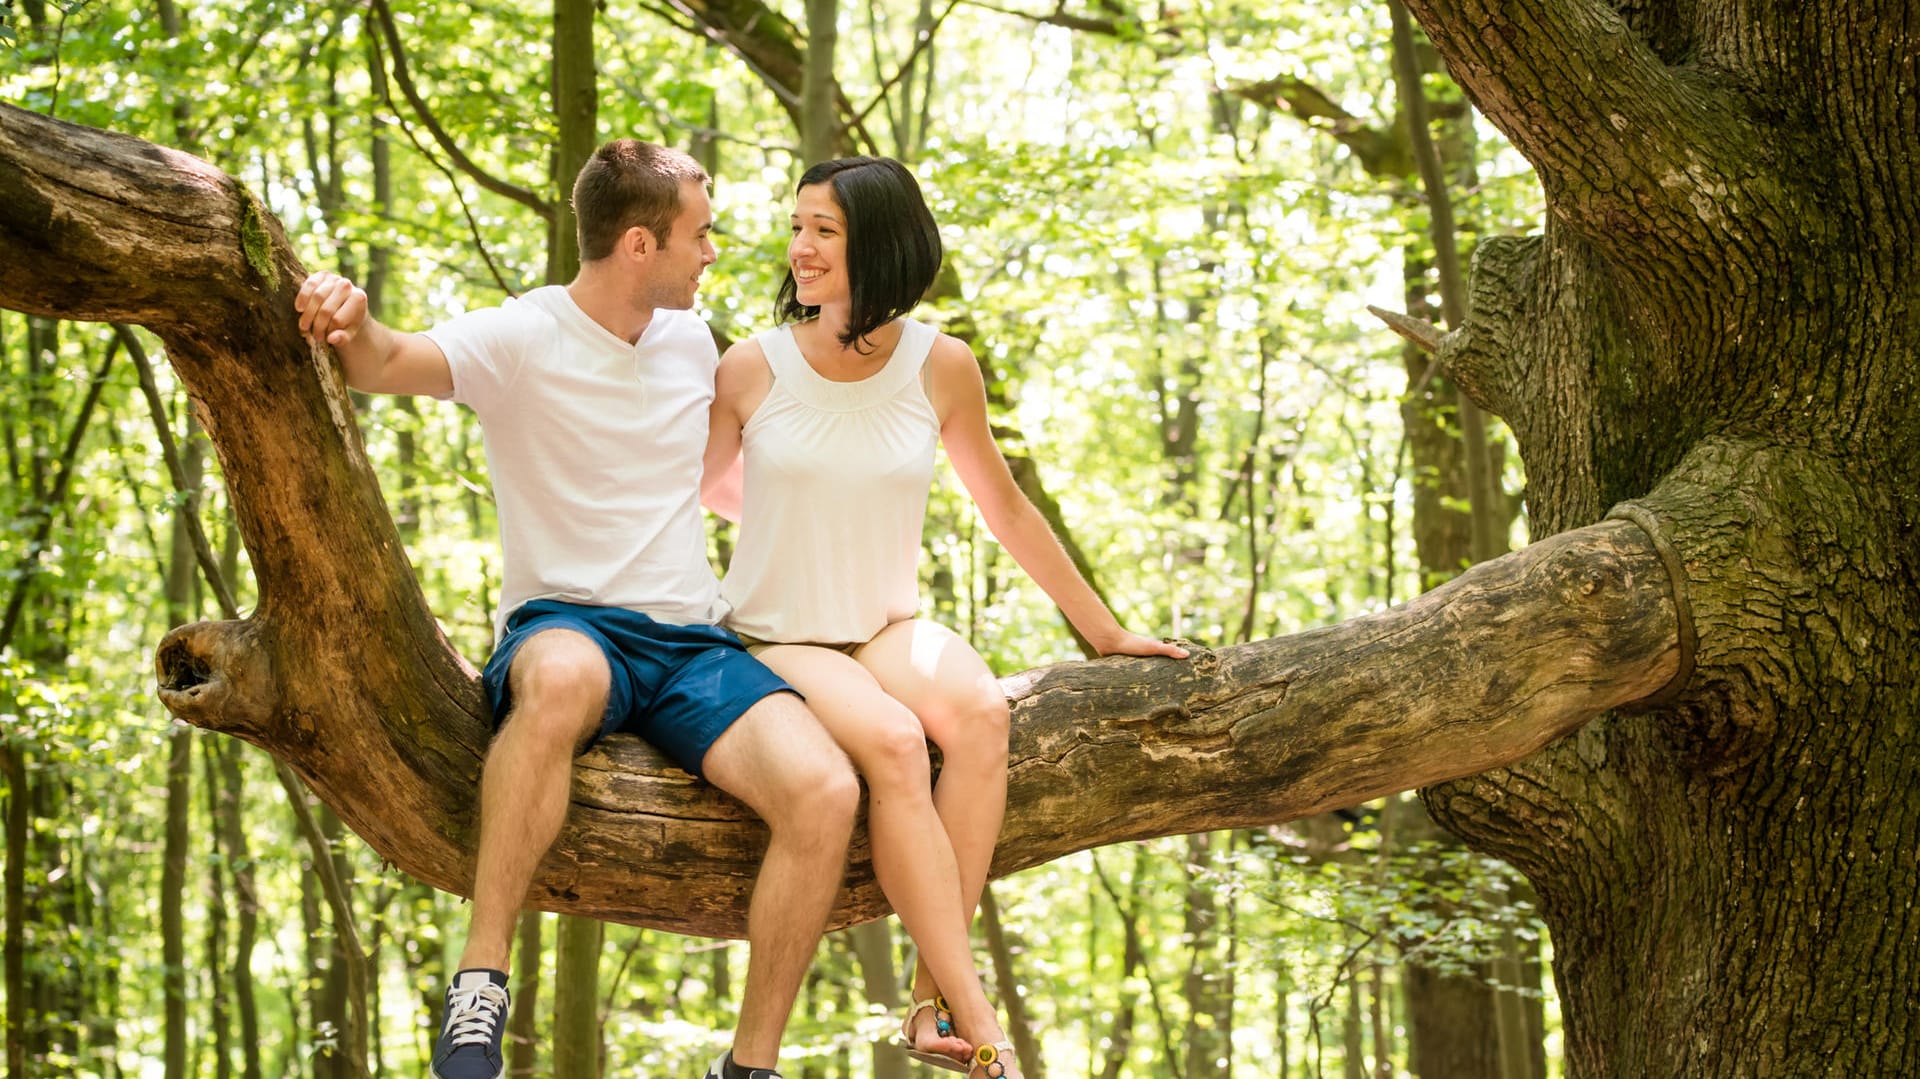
(1641, 158)
(342, 673)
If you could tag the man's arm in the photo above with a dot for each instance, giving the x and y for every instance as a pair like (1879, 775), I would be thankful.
(373, 357)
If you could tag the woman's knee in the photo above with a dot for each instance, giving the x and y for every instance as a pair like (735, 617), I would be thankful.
(978, 726)
(893, 753)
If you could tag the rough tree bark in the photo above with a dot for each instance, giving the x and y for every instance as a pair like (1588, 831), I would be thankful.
(1718, 330)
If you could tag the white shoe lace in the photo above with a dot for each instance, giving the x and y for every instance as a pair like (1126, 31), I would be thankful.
(472, 1014)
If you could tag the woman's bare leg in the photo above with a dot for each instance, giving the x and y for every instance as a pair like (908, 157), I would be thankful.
(912, 857)
(958, 701)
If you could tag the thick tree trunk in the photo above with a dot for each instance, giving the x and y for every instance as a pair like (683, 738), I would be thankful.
(1719, 326)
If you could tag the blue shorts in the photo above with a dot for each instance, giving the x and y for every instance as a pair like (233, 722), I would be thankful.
(679, 687)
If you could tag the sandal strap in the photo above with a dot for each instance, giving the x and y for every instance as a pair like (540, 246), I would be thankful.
(942, 1017)
(991, 1058)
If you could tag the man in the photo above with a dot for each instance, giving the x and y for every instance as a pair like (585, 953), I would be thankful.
(592, 399)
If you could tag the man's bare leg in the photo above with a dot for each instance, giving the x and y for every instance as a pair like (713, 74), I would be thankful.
(559, 680)
(779, 761)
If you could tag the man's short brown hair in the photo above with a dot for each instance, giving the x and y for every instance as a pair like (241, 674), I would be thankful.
(627, 183)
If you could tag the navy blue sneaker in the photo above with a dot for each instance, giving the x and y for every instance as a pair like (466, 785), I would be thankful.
(469, 1046)
(718, 1069)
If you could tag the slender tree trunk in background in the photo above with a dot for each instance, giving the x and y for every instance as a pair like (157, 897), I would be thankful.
(1389, 840)
(1377, 1018)
(1019, 1029)
(14, 769)
(1454, 1017)
(179, 594)
(1283, 1024)
(1489, 503)
(334, 994)
(1442, 533)
(426, 960)
(1132, 958)
(523, 1040)
(873, 946)
(348, 1032)
(173, 879)
(576, 109)
(843, 1000)
(379, 925)
(576, 999)
(809, 1004)
(819, 119)
(1517, 1048)
(219, 1004)
(103, 986)
(13, 761)
(1209, 1009)
(1353, 1034)
(232, 826)
(720, 973)
(705, 146)
(309, 982)
(1531, 980)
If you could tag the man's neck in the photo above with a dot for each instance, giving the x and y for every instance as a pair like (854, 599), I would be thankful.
(607, 304)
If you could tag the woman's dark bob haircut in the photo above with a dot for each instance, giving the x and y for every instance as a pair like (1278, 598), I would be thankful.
(893, 246)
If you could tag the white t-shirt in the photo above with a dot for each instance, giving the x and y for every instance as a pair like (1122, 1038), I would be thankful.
(835, 497)
(594, 446)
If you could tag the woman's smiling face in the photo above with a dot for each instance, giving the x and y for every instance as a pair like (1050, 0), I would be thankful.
(817, 253)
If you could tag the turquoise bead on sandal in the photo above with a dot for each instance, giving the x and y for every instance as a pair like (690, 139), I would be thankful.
(942, 1025)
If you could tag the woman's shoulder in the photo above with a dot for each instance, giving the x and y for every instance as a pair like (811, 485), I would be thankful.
(742, 367)
(951, 356)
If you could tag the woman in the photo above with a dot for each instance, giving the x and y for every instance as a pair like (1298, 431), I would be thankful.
(838, 411)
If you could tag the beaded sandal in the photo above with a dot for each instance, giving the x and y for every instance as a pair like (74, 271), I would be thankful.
(942, 1025)
(992, 1059)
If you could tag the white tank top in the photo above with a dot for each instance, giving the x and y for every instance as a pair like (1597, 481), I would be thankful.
(836, 480)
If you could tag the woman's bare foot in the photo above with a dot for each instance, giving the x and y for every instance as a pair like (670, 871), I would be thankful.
(923, 1032)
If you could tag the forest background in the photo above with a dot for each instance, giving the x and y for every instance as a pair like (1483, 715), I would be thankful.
(1163, 229)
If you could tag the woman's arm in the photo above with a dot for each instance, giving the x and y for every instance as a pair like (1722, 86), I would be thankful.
(960, 401)
(741, 380)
